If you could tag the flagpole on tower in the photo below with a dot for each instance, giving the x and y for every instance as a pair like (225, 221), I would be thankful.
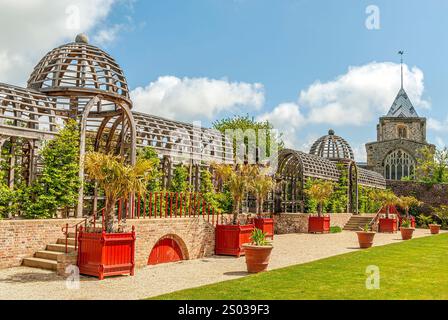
(401, 53)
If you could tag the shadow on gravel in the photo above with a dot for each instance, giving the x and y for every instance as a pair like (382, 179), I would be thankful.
(236, 273)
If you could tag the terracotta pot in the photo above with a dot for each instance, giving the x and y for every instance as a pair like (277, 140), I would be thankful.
(365, 239)
(406, 233)
(257, 257)
(435, 228)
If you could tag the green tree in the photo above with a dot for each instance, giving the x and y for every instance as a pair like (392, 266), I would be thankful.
(239, 124)
(432, 166)
(320, 191)
(208, 190)
(117, 179)
(261, 185)
(407, 203)
(179, 182)
(155, 182)
(238, 179)
(58, 184)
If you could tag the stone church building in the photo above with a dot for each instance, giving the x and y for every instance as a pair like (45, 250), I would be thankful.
(400, 135)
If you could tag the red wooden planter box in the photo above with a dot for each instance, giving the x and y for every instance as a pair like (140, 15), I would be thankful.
(387, 225)
(106, 254)
(318, 224)
(266, 225)
(229, 239)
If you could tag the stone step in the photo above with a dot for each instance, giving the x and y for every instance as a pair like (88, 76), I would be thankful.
(70, 241)
(40, 263)
(60, 247)
(49, 255)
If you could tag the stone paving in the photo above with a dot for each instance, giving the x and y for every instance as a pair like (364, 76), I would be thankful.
(291, 249)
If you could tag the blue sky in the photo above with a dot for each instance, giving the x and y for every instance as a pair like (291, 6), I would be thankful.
(285, 47)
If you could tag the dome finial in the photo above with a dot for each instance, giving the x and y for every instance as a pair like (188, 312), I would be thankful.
(82, 38)
(331, 132)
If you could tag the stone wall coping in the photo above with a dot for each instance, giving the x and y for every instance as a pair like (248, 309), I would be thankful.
(14, 221)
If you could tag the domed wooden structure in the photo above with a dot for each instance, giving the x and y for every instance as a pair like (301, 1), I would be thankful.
(332, 147)
(80, 81)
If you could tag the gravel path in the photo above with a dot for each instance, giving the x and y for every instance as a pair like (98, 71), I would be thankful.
(29, 283)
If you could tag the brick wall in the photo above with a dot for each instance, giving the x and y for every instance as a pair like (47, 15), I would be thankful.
(298, 222)
(22, 238)
(195, 236)
(432, 196)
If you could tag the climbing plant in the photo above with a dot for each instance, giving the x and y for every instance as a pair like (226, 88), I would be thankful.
(58, 183)
(339, 199)
(155, 182)
(179, 182)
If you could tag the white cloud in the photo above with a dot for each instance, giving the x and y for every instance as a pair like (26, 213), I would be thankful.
(28, 29)
(359, 152)
(361, 94)
(106, 36)
(438, 125)
(440, 143)
(196, 98)
(286, 118)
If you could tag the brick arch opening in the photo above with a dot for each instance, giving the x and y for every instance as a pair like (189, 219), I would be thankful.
(169, 248)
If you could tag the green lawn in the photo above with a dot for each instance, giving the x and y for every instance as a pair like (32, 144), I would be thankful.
(416, 269)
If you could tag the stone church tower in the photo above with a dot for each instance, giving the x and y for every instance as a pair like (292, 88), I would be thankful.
(400, 134)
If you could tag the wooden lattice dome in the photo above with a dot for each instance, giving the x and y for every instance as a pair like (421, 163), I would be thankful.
(80, 69)
(332, 147)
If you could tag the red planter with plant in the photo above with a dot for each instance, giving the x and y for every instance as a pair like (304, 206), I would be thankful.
(229, 239)
(106, 254)
(388, 225)
(319, 224)
(266, 225)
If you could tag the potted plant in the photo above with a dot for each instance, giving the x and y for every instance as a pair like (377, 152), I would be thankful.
(229, 238)
(320, 191)
(365, 237)
(441, 214)
(258, 252)
(406, 203)
(434, 228)
(406, 229)
(387, 199)
(261, 185)
(110, 251)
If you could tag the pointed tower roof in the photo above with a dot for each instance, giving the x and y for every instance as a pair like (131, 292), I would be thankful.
(402, 107)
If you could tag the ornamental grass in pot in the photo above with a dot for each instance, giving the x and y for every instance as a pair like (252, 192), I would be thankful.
(406, 230)
(258, 252)
(365, 237)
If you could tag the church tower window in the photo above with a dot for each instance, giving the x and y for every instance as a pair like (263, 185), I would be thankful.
(399, 164)
(402, 132)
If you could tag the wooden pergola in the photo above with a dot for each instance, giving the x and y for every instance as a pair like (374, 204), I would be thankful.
(80, 81)
(295, 167)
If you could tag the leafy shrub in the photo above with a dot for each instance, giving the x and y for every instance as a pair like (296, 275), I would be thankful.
(424, 221)
(335, 229)
(258, 238)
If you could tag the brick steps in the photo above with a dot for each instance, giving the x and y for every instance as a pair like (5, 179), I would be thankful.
(40, 263)
(48, 258)
(357, 222)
